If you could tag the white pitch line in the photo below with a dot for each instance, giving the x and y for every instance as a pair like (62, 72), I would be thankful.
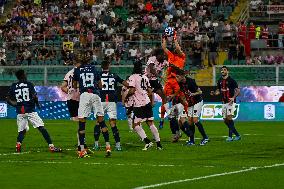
(15, 153)
(209, 176)
(88, 163)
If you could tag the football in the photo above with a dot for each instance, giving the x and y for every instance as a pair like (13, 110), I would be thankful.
(169, 31)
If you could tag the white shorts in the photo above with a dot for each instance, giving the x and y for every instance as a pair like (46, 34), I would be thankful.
(110, 109)
(89, 102)
(228, 109)
(177, 111)
(24, 119)
(195, 110)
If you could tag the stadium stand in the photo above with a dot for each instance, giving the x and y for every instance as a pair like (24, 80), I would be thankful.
(48, 33)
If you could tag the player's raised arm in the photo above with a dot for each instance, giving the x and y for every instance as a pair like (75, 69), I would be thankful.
(164, 44)
(178, 48)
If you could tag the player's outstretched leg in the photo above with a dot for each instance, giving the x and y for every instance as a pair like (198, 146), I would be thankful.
(155, 133)
(47, 138)
(97, 132)
(140, 131)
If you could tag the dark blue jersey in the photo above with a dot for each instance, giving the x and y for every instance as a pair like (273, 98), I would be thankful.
(24, 93)
(109, 90)
(88, 78)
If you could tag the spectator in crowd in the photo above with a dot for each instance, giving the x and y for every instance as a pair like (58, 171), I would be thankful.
(2, 57)
(241, 52)
(197, 55)
(213, 52)
(281, 34)
(281, 99)
(27, 55)
(232, 53)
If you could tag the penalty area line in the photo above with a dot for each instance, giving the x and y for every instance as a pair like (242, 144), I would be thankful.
(209, 176)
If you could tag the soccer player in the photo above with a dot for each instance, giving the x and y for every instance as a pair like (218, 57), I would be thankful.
(153, 71)
(128, 103)
(23, 97)
(176, 61)
(193, 95)
(229, 90)
(142, 105)
(89, 81)
(109, 99)
(73, 95)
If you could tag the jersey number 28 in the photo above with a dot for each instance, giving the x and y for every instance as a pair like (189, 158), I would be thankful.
(22, 95)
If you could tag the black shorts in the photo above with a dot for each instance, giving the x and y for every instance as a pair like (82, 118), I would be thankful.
(156, 85)
(73, 106)
(129, 110)
(143, 112)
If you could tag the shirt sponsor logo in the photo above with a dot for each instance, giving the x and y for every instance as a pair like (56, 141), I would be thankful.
(214, 112)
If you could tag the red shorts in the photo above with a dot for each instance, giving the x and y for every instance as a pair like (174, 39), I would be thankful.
(171, 86)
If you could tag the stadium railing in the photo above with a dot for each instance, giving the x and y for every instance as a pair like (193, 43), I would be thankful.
(258, 75)
(49, 75)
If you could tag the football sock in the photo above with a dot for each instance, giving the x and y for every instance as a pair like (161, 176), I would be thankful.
(174, 125)
(97, 132)
(192, 129)
(130, 122)
(186, 129)
(232, 126)
(105, 134)
(45, 134)
(140, 131)
(21, 136)
(155, 132)
(201, 129)
(163, 111)
(167, 107)
(81, 134)
(230, 129)
(115, 134)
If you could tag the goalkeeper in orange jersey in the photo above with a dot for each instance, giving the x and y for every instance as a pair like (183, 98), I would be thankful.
(176, 60)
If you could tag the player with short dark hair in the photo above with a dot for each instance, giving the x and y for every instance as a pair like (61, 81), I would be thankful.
(108, 94)
(228, 88)
(143, 100)
(154, 67)
(23, 97)
(89, 81)
(193, 95)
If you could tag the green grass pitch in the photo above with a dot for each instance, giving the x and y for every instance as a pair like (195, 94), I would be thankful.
(257, 161)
